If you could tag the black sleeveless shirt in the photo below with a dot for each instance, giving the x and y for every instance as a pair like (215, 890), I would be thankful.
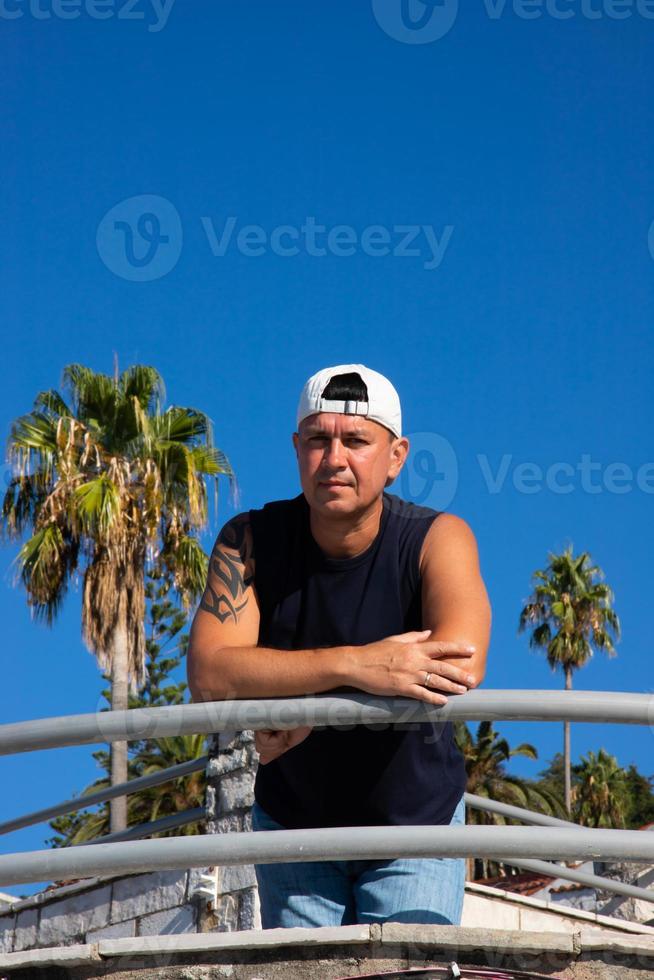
(411, 773)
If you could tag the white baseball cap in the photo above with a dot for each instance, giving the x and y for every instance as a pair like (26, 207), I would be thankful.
(383, 404)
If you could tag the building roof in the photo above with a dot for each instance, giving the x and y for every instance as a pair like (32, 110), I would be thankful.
(571, 887)
(526, 883)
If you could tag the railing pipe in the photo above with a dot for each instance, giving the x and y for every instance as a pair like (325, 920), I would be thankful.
(540, 867)
(141, 830)
(103, 795)
(193, 765)
(583, 878)
(332, 710)
(516, 812)
(352, 843)
(548, 868)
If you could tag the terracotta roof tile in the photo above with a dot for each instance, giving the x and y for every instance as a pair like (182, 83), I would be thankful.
(521, 884)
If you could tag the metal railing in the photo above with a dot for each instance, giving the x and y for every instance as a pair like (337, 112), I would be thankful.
(340, 844)
(522, 846)
(104, 795)
(197, 814)
(334, 710)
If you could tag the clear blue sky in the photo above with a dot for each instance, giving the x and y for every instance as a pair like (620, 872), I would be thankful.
(521, 147)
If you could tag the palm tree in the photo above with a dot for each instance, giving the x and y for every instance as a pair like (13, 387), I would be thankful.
(109, 481)
(600, 795)
(485, 761)
(168, 799)
(185, 793)
(571, 613)
(485, 758)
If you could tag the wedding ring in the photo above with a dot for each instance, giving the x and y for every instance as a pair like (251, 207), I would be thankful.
(427, 676)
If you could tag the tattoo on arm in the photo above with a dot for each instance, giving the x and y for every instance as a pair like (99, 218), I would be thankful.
(230, 573)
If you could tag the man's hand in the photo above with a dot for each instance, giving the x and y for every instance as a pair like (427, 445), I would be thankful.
(396, 666)
(399, 665)
(271, 744)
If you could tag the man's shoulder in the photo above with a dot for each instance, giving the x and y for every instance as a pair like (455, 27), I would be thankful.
(277, 508)
(266, 521)
(406, 510)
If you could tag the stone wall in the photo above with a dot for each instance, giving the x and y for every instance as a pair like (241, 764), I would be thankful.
(94, 909)
(326, 954)
(230, 795)
(633, 909)
(160, 903)
(164, 903)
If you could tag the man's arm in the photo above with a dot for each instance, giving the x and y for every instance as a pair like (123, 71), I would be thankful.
(455, 603)
(224, 661)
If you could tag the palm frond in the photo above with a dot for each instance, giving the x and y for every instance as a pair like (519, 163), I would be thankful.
(185, 425)
(94, 396)
(211, 461)
(189, 564)
(35, 432)
(44, 562)
(20, 505)
(99, 505)
(525, 749)
(144, 383)
(52, 404)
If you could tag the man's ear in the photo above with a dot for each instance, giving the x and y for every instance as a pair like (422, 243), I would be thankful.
(295, 438)
(399, 453)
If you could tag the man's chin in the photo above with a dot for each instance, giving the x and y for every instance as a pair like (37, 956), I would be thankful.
(343, 500)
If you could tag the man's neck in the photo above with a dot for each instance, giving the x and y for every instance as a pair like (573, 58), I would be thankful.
(348, 536)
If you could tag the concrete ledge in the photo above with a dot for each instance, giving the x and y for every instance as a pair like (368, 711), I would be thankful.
(330, 952)
(250, 939)
(60, 891)
(593, 941)
(51, 956)
(468, 940)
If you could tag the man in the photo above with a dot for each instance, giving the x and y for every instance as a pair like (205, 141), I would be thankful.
(348, 587)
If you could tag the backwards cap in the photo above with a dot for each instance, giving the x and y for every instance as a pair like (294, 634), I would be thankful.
(383, 404)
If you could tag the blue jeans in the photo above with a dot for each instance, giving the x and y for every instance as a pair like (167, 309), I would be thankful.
(340, 893)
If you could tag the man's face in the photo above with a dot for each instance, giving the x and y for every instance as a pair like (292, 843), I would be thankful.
(345, 461)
